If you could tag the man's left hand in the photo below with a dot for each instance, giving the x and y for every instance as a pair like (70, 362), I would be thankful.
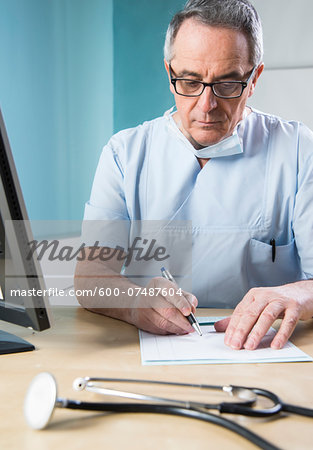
(259, 309)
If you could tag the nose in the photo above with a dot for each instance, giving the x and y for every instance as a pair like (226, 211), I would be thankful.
(207, 100)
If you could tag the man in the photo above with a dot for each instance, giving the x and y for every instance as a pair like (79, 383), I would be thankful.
(244, 179)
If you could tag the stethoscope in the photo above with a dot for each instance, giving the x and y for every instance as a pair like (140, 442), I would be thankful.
(41, 401)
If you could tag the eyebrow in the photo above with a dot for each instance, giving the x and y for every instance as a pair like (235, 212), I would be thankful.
(187, 73)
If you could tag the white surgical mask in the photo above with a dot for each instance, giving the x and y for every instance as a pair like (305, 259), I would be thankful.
(226, 147)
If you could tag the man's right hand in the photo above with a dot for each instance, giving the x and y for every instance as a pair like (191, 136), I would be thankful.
(163, 314)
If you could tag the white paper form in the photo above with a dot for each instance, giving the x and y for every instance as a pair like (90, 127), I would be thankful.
(210, 349)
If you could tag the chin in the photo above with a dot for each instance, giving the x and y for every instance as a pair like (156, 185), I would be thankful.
(206, 139)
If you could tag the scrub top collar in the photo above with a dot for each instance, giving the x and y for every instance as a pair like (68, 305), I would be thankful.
(229, 146)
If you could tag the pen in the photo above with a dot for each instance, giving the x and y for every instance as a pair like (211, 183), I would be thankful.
(273, 244)
(191, 318)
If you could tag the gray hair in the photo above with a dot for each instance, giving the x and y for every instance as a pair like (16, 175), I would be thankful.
(235, 14)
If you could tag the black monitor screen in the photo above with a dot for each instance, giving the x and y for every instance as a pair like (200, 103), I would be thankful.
(19, 273)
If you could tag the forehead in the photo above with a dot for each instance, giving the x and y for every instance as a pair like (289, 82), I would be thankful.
(203, 45)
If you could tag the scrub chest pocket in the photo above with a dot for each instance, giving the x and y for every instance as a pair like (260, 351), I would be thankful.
(262, 271)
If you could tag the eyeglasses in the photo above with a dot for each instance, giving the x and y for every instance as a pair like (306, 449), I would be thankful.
(221, 89)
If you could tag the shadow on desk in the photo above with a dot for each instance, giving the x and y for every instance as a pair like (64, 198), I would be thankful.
(106, 331)
(77, 422)
(300, 335)
(75, 327)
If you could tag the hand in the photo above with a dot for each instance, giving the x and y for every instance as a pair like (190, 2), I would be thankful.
(259, 309)
(163, 314)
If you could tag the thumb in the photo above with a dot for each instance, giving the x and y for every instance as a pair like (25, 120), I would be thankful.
(222, 325)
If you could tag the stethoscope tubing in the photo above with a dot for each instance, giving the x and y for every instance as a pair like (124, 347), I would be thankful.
(171, 410)
(164, 383)
(235, 408)
(278, 406)
(240, 408)
(300, 410)
(92, 384)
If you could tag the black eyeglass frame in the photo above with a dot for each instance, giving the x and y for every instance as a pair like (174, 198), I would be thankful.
(244, 84)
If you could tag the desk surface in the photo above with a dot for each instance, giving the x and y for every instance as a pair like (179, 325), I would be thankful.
(81, 343)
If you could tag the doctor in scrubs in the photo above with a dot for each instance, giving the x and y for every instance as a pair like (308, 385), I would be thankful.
(243, 180)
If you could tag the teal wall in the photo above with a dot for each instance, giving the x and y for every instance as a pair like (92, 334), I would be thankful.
(140, 82)
(56, 96)
(71, 73)
(27, 99)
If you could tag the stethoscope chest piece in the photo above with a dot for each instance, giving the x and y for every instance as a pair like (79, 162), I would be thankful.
(40, 401)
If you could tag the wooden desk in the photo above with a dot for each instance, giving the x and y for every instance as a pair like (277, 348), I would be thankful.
(81, 343)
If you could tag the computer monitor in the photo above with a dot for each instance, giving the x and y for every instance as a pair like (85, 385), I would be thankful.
(21, 280)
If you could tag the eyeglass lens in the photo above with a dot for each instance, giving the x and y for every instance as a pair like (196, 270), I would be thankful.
(194, 88)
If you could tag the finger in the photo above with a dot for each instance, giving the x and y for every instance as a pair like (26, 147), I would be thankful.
(192, 299)
(221, 325)
(286, 329)
(270, 313)
(174, 322)
(171, 293)
(153, 322)
(169, 313)
(244, 318)
(235, 319)
(175, 317)
(171, 304)
(181, 300)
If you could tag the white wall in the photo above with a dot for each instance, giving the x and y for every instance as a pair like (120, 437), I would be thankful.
(286, 86)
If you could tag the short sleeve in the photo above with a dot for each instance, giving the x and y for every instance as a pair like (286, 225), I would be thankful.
(106, 221)
(303, 211)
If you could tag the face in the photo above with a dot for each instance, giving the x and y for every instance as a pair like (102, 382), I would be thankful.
(210, 54)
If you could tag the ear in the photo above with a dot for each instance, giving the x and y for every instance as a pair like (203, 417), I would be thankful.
(167, 68)
(257, 73)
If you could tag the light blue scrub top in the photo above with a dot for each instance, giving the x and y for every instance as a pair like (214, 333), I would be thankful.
(233, 206)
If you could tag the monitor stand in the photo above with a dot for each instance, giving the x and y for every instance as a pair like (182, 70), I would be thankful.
(9, 343)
